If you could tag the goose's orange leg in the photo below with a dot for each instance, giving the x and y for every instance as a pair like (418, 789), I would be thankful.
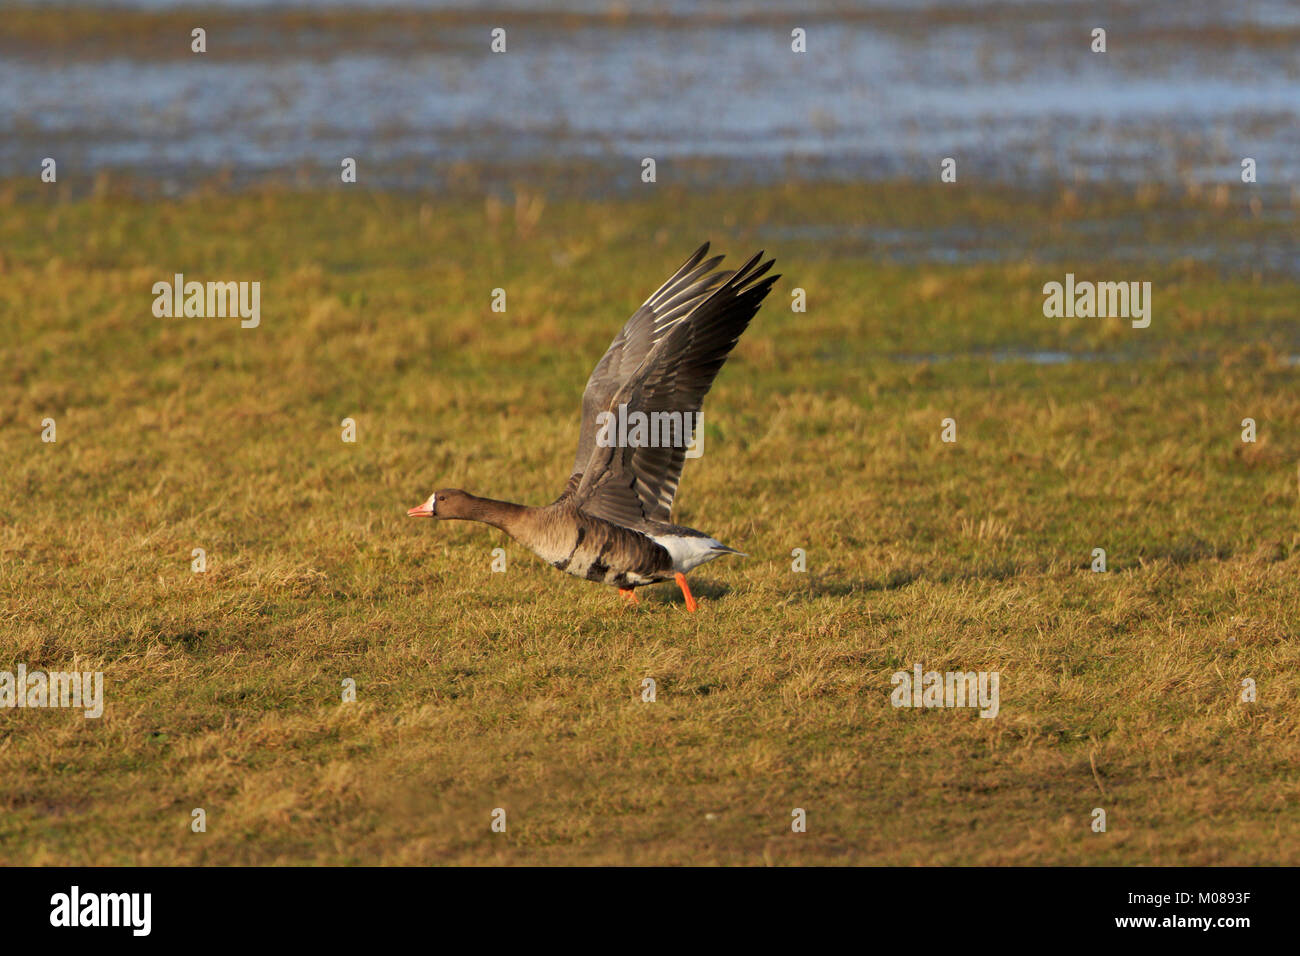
(686, 592)
(628, 595)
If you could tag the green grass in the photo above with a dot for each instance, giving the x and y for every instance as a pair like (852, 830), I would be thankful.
(522, 690)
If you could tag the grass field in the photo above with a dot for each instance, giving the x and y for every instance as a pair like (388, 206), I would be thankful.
(522, 690)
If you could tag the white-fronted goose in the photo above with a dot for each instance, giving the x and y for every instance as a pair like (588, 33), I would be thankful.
(613, 521)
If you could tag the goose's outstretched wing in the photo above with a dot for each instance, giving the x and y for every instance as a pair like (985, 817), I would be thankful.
(644, 330)
(664, 360)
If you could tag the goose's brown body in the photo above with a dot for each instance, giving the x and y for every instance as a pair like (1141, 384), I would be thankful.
(613, 522)
(569, 540)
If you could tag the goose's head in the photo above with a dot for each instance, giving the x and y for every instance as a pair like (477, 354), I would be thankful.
(445, 503)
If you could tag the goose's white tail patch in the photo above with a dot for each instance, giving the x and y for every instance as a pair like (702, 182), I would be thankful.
(688, 551)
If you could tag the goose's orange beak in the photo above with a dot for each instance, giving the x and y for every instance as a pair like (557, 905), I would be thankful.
(420, 511)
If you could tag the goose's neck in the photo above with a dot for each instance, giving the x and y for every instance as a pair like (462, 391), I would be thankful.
(506, 515)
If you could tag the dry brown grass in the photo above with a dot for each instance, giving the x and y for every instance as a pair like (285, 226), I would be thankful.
(522, 690)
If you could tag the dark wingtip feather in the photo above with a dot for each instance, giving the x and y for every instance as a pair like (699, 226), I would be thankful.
(697, 255)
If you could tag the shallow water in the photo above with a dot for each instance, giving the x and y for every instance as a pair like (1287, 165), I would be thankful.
(1032, 356)
(1275, 252)
(884, 91)
(999, 356)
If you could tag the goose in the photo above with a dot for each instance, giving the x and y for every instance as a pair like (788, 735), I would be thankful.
(613, 521)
